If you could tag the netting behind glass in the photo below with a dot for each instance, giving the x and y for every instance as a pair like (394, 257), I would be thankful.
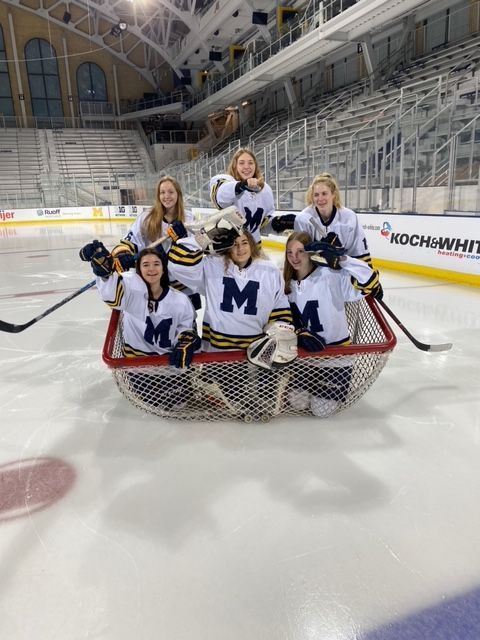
(225, 386)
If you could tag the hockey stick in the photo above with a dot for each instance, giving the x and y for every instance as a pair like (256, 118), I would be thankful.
(213, 391)
(281, 392)
(318, 228)
(420, 345)
(16, 328)
(9, 327)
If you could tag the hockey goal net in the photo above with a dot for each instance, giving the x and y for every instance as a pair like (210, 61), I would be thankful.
(225, 386)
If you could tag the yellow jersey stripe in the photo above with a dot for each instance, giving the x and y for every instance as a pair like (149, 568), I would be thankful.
(119, 293)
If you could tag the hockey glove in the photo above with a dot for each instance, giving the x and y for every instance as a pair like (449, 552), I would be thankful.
(176, 231)
(223, 240)
(326, 252)
(100, 259)
(87, 252)
(309, 341)
(229, 218)
(283, 223)
(242, 186)
(277, 348)
(182, 353)
(219, 232)
(123, 256)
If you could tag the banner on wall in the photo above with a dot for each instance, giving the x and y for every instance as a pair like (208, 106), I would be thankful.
(451, 243)
(12, 216)
(127, 211)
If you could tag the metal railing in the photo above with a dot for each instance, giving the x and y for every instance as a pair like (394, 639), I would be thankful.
(316, 13)
(57, 122)
(380, 163)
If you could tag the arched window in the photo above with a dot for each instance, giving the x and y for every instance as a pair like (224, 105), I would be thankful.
(91, 84)
(6, 102)
(43, 79)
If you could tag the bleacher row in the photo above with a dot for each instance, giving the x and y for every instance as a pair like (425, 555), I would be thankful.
(327, 132)
(31, 160)
(324, 135)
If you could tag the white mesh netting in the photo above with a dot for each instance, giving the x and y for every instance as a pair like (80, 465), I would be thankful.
(225, 386)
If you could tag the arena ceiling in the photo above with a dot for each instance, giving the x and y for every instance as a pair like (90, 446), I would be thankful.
(159, 35)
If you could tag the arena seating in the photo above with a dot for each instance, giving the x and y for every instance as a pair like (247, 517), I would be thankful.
(438, 93)
(20, 166)
(75, 166)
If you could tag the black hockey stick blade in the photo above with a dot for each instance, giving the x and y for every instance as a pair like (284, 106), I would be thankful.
(420, 345)
(16, 328)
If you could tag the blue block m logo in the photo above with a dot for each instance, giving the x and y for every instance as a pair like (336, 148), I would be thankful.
(307, 318)
(253, 220)
(160, 334)
(247, 295)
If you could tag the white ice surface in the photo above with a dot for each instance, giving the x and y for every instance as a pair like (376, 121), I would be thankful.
(299, 529)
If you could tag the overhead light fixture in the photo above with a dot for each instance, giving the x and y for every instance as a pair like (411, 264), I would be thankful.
(67, 17)
(118, 29)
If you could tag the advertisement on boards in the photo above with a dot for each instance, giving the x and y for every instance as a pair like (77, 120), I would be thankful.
(451, 243)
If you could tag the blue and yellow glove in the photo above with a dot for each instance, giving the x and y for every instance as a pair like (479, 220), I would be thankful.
(99, 257)
(124, 256)
(182, 353)
(327, 252)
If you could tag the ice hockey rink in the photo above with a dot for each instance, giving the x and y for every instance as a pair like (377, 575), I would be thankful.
(118, 525)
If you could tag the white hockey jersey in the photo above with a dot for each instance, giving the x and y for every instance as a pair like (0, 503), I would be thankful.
(344, 222)
(238, 302)
(149, 327)
(318, 301)
(255, 207)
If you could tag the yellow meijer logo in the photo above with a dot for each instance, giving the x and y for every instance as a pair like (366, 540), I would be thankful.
(97, 212)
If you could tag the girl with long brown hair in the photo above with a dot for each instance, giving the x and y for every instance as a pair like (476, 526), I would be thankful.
(168, 207)
(244, 187)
